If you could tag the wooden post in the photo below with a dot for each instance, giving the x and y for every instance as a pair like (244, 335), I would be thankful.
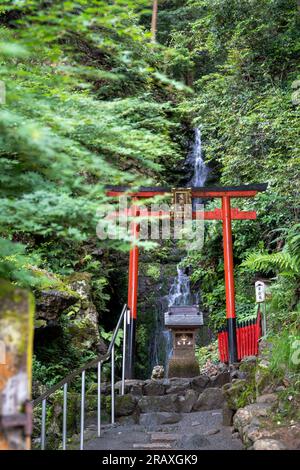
(16, 341)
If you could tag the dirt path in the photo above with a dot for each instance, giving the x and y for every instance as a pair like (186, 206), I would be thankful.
(201, 430)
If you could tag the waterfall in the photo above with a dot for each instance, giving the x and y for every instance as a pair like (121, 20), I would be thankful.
(195, 158)
(180, 293)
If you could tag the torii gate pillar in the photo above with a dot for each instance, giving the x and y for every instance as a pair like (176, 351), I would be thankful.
(132, 295)
(229, 279)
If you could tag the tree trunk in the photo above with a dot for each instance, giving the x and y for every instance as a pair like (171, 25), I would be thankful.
(154, 20)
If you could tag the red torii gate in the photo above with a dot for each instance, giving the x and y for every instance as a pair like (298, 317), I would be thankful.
(226, 214)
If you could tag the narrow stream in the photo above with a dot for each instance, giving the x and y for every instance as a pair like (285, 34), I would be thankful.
(180, 292)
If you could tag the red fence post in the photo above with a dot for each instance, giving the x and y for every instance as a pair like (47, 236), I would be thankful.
(243, 340)
(238, 338)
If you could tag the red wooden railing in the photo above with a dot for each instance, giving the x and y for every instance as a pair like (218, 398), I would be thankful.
(248, 334)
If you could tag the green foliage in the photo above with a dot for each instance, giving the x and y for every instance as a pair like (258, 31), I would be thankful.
(142, 346)
(285, 354)
(81, 111)
(15, 265)
(153, 271)
(207, 354)
(284, 265)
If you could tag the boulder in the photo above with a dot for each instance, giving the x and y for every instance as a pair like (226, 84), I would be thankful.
(158, 403)
(227, 415)
(177, 385)
(158, 372)
(154, 387)
(130, 420)
(199, 383)
(209, 399)
(244, 416)
(237, 374)
(268, 398)
(135, 387)
(160, 418)
(125, 405)
(263, 377)
(268, 444)
(187, 401)
(254, 431)
(220, 379)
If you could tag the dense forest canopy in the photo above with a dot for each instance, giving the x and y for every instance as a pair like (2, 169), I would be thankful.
(91, 100)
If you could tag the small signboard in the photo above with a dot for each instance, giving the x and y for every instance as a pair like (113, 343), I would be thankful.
(260, 291)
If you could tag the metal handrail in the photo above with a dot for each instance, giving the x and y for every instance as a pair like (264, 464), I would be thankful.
(97, 362)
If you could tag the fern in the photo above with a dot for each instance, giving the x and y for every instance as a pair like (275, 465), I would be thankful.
(284, 263)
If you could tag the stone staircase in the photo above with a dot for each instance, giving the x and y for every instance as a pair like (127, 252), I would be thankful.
(167, 414)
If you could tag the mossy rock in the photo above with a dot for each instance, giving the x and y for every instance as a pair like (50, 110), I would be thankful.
(125, 405)
(75, 277)
(232, 392)
(263, 377)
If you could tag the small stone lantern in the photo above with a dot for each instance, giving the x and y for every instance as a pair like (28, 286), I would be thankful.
(183, 321)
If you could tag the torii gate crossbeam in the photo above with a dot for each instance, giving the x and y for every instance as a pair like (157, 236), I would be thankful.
(226, 214)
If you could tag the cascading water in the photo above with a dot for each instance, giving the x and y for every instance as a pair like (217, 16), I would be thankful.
(200, 170)
(180, 293)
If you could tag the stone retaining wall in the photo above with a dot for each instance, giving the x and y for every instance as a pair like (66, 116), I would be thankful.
(175, 395)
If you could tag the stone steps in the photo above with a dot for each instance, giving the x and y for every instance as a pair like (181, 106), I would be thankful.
(159, 441)
(164, 437)
(152, 446)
